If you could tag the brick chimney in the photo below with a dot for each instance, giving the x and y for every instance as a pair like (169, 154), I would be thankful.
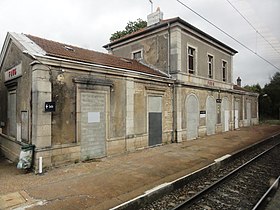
(238, 81)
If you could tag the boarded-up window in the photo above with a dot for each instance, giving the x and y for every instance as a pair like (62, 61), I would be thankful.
(12, 122)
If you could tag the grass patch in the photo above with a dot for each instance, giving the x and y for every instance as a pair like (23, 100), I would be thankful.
(271, 122)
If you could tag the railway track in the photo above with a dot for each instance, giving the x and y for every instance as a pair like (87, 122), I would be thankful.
(222, 198)
(240, 189)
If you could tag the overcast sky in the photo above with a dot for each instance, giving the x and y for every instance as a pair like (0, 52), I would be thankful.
(89, 24)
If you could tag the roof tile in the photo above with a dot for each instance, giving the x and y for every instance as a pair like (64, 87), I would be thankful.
(66, 51)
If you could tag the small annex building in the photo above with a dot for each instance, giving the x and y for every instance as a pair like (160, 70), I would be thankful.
(74, 104)
(168, 82)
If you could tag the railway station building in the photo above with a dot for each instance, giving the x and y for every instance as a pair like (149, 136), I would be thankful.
(206, 101)
(168, 82)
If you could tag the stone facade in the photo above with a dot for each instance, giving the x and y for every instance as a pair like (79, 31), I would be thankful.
(61, 136)
(202, 68)
(180, 89)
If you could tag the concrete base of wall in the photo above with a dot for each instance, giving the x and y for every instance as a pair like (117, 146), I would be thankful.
(10, 148)
(202, 131)
(58, 155)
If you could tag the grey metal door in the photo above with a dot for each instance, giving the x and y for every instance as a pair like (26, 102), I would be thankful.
(93, 125)
(192, 117)
(155, 120)
(211, 116)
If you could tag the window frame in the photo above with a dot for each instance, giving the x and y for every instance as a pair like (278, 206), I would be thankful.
(210, 76)
(224, 71)
(135, 52)
(194, 59)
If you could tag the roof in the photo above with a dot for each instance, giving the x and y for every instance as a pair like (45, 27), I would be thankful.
(164, 23)
(70, 52)
(237, 87)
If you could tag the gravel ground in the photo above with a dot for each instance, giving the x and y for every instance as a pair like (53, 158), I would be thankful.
(113, 180)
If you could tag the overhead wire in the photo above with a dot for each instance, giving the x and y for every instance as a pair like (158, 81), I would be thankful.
(227, 34)
(257, 31)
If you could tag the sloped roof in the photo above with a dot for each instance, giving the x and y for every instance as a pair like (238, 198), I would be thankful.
(70, 52)
(164, 23)
(237, 87)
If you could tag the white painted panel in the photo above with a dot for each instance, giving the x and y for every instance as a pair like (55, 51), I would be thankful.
(248, 113)
(93, 117)
(192, 110)
(155, 104)
(12, 121)
(226, 120)
(211, 116)
(236, 114)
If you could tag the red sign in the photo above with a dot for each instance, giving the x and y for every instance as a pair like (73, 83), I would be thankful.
(13, 73)
(210, 83)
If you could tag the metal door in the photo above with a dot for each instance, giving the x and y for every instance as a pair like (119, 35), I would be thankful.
(192, 117)
(93, 125)
(211, 116)
(155, 120)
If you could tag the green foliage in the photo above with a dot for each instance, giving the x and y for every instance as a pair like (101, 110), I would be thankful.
(254, 88)
(131, 27)
(273, 93)
(269, 98)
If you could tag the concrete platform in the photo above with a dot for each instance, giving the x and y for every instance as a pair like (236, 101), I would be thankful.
(113, 180)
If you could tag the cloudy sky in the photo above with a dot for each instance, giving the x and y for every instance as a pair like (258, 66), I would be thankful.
(89, 24)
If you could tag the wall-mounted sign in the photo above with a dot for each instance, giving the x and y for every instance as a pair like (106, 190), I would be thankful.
(49, 106)
(13, 73)
(202, 113)
(93, 117)
(218, 100)
(210, 83)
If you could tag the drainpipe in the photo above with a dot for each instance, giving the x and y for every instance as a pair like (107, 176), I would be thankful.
(173, 86)
(168, 49)
(173, 114)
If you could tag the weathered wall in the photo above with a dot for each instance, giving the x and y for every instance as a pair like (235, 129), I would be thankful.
(202, 50)
(13, 57)
(154, 49)
(64, 117)
(202, 97)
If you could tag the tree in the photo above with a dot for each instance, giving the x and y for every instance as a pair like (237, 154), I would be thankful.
(273, 92)
(254, 88)
(131, 27)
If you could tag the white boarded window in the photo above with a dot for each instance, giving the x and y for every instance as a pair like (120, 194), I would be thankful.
(12, 122)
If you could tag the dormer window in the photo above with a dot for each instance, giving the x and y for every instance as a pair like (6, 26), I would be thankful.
(137, 55)
(68, 48)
